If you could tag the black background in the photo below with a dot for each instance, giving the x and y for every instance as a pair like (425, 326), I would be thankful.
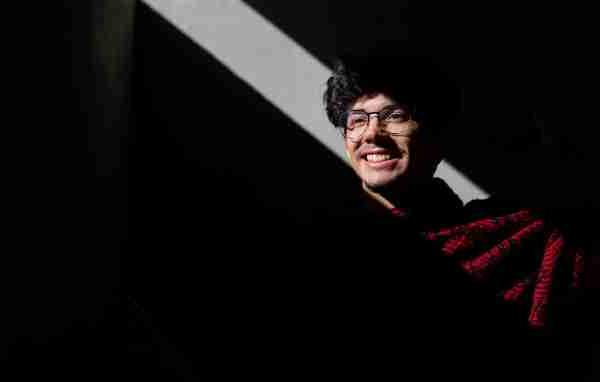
(166, 204)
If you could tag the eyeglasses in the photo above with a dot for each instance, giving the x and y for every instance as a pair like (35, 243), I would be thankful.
(392, 118)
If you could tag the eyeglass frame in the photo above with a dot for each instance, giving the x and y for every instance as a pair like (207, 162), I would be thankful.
(343, 127)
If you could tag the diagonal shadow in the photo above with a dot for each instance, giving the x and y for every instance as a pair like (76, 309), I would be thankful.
(229, 240)
(218, 176)
(511, 139)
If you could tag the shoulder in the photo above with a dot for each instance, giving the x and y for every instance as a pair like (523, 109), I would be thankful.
(494, 206)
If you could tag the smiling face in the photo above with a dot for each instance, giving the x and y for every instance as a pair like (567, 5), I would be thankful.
(386, 161)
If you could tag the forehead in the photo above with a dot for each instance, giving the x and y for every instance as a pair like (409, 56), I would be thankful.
(372, 102)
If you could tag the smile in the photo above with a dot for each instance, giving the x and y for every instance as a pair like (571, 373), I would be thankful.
(377, 157)
(380, 161)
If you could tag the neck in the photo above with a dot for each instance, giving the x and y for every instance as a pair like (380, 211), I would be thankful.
(389, 197)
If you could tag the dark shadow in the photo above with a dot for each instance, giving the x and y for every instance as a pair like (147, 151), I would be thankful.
(245, 255)
(525, 132)
(228, 201)
(62, 280)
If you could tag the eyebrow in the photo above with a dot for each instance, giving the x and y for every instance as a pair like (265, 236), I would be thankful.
(393, 105)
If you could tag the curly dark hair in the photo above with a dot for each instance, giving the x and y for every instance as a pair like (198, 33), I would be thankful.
(407, 76)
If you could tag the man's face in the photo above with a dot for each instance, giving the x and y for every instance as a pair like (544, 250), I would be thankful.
(382, 160)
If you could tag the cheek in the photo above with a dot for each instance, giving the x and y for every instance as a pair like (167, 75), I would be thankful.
(405, 148)
(352, 154)
(403, 143)
(406, 159)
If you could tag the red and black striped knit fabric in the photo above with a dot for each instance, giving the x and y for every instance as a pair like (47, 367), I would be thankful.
(521, 256)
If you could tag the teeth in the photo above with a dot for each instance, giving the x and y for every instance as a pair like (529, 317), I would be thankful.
(377, 157)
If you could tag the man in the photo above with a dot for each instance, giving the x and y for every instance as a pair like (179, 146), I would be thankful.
(393, 124)
(395, 111)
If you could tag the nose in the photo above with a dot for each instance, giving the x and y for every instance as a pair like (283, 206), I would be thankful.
(373, 128)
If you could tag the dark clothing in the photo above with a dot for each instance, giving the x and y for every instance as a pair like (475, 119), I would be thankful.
(366, 296)
(432, 206)
(528, 289)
